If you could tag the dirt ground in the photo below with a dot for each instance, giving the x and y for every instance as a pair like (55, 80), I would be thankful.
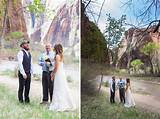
(146, 102)
(36, 88)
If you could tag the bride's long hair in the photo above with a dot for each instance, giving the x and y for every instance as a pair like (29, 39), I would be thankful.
(59, 50)
(128, 81)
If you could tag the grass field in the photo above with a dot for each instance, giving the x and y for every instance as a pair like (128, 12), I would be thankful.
(98, 107)
(10, 108)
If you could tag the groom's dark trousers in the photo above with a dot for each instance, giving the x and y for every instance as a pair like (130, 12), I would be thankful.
(112, 96)
(24, 86)
(47, 85)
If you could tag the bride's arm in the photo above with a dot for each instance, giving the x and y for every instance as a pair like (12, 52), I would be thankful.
(56, 63)
(56, 66)
(126, 87)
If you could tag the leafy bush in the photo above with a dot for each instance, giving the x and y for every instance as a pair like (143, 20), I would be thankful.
(136, 64)
(106, 84)
(149, 48)
(14, 35)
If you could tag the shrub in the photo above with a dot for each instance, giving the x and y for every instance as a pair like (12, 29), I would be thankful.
(136, 64)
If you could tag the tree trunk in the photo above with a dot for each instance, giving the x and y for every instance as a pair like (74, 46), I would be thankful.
(129, 61)
(115, 57)
(111, 57)
(108, 55)
(107, 58)
(100, 85)
(13, 20)
(4, 25)
(150, 61)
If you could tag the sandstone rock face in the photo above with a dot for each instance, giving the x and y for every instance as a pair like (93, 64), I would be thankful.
(59, 25)
(131, 44)
(64, 28)
(15, 18)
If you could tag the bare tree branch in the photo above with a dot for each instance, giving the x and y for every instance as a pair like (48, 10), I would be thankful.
(128, 3)
(157, 27)
(87, 5)
(100, 12)
(92, 14)
(151, 8)
(143, 31)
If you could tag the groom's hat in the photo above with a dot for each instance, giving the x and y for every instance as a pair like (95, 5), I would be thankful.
(23, 41)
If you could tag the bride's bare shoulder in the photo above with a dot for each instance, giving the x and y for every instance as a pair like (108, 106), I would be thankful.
(128, 84)
(58, 57)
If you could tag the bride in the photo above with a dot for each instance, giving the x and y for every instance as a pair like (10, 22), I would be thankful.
(62, 100)
(129, 100)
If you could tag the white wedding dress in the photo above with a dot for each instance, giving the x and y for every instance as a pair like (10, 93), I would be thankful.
(62, 100)
(129, 100)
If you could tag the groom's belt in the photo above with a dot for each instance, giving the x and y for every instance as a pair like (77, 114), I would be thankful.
(27, 72)
(47, 71)
(121, 88)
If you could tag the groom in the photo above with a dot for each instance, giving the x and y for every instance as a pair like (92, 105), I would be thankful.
(112, 90)
(47, 63)
(25, 70)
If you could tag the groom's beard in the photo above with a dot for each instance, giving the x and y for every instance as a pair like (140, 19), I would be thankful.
(26, 48)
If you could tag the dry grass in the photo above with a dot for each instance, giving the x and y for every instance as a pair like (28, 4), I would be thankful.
(12, 109)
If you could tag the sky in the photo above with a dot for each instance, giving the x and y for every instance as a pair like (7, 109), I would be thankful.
(114, 7)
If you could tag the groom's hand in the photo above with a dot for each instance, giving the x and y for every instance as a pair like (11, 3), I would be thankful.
(24, 76)
(112, 90)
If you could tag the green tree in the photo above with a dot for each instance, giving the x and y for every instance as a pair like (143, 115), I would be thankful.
(36, 7)
(149, 49)
(113, 33)
(136, 64)
(93, 43)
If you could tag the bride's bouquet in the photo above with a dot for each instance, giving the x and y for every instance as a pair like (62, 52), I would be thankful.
(47, 60)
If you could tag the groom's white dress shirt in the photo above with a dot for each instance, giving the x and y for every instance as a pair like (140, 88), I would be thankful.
(110, 84)
(20, 61)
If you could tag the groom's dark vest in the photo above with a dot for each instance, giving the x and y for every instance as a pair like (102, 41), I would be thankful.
(26, 62)
(113, 85)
